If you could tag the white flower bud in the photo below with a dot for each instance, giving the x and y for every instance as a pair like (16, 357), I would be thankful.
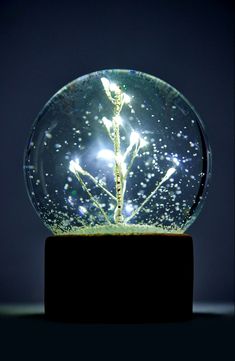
(75, 167)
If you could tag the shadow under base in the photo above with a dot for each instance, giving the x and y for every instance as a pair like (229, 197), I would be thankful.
(119, 278)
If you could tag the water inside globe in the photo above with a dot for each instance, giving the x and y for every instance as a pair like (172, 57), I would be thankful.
(117, 152)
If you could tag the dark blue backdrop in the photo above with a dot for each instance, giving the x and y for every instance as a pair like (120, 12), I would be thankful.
(46, 44)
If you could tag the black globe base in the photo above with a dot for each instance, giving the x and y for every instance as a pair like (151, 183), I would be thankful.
(119, 279)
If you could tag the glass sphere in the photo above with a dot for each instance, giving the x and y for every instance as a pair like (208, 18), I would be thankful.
(117, 151)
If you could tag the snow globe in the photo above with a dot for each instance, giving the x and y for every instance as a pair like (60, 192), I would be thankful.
(117, 167)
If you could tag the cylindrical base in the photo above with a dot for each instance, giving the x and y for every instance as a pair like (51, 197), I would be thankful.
(126, 278)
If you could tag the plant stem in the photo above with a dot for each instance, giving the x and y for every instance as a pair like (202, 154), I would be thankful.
(99, 185)
(118, 217)
(96, 203)
(143, 204)
(118, 103)
(134, 155)
(164, 179)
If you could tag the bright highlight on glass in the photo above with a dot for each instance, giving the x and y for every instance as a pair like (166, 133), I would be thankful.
(117, 151)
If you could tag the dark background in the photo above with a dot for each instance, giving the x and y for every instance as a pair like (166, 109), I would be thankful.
(46, 44)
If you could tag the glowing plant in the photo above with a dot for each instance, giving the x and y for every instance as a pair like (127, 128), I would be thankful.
(121, 167)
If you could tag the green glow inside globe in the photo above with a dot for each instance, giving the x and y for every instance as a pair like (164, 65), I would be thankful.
(117, 151)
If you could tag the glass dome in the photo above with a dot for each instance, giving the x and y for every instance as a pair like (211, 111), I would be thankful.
(117, 151)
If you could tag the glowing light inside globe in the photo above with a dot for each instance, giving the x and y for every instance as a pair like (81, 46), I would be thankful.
(117, 152)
